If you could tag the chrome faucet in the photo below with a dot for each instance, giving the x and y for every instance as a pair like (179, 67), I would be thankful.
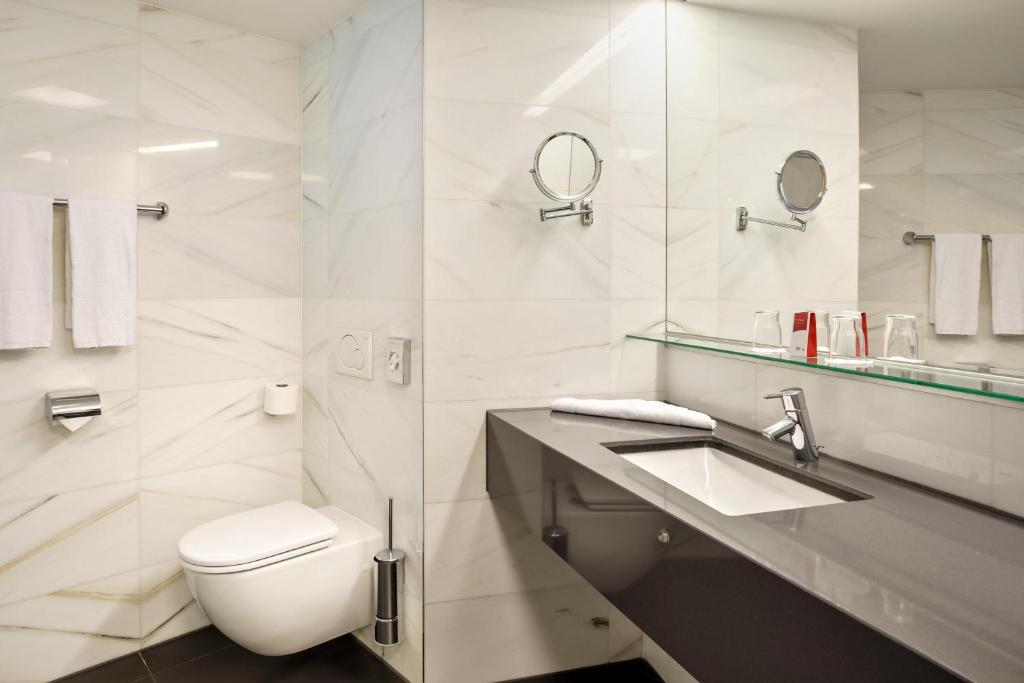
(797, 424)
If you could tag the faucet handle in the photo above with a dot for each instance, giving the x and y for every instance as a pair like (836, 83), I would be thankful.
(783, 393)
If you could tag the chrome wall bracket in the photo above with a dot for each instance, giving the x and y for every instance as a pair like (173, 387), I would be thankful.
(743, 218)
(585, 212)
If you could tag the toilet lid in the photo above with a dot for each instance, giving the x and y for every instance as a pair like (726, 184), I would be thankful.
(256, 534)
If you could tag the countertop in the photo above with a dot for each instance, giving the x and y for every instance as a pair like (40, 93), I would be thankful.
(938, 575)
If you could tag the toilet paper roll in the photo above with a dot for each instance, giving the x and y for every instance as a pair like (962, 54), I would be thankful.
(281, 399)
(73, 424)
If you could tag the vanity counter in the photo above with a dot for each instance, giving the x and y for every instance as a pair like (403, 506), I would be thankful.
(942, 578)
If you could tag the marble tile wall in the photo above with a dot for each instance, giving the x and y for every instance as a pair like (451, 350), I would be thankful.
(517, 312)
(362, 236)
(937, 161)
(743, 92)
(965, 446)
(118, 100)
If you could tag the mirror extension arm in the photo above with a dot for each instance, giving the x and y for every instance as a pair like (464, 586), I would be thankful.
(586, 212)
(743, 217)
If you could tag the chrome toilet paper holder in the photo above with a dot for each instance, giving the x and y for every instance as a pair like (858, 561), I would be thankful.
(71, 403)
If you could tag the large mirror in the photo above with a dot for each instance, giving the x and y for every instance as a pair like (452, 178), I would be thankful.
(918, 126)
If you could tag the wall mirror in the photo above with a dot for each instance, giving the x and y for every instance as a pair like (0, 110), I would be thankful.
(893, 140)
(567, 168)
(801, 183)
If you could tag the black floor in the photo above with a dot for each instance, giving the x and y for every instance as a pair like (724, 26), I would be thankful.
(206, 656)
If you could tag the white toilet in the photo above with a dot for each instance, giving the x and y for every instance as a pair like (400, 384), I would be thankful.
(284, 577)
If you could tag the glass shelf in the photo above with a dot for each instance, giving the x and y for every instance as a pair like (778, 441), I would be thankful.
(979, 383)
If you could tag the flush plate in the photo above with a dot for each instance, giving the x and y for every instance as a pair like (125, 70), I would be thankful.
(353, 353)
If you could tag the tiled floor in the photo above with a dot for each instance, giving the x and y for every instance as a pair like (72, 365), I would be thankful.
(206, 656)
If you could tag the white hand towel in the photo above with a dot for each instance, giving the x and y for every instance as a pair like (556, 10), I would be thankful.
(1006, 263)
(635, 409)
(26, 264)
(955, 284)
(102, 237)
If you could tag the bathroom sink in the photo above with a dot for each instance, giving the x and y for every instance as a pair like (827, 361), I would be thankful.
(732, 481)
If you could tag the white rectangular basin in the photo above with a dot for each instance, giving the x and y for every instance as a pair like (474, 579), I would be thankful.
(728, 483)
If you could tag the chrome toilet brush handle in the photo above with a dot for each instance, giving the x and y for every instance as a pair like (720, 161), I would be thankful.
(387, 629)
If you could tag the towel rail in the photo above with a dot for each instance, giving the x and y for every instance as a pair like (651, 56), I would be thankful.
(909, 237)
(160, 208)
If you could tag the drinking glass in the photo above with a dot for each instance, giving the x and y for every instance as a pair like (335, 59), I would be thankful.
(821, 325)
(847, 345)
(767, 332)
(900, 339)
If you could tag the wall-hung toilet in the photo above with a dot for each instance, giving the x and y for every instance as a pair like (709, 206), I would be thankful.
(284, 577)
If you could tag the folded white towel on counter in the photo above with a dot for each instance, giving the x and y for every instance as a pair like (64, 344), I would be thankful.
(634, 409)
(101, 244)
(1006, 263)
(955, 284)
(26, 264)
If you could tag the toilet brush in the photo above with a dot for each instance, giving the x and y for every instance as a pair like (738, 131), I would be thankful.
(387, 629)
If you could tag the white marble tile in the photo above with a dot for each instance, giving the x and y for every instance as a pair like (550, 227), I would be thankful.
(83, 57)
(203, 172)
(823, 37)
(198, 425)
(692, 258)
(207, 76)
(968, 98)
(168, 608)
(56, 634)
(638, 252)
(40, 459)
(58, 541)
(692, 73)
(377, 62)
(891, 204)
(668, 668)
(27, 375)
(1008, 464)
(538, 260)
(315, 257)
(479, 548)
(979, 141)
(625, 640)
(467, 160)
(783, 83)
(516, 54)
(693, 163)
(714, 384)
(892, 142)
(637, 44)
(636, 366)
(878, 101)
(315, 440)
(377, 253)
(892, 271)
(218, 257)
(379, 162)
(173, 504)
(204, 340)
(481, 350)
(983, 202)
(537, 632)
(66, 152)
(636, 168)
(693, 316)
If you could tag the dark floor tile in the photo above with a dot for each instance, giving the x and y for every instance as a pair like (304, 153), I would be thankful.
(633, 671)
(183, 648)
(341, 660)
(127, 669)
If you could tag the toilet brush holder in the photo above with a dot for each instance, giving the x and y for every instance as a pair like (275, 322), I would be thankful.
(390, 564)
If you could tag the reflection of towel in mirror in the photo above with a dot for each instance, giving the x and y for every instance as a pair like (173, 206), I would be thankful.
(1006, 261)
(955, 284)
(635, 409)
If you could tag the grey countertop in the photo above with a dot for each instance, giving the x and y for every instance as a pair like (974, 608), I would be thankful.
(942, 577)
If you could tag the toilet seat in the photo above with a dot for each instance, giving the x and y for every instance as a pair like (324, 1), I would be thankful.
(256, 538)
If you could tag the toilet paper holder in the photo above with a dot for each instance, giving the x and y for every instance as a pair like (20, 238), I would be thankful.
(71, 403)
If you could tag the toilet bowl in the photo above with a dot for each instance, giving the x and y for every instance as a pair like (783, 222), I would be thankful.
(282, 578)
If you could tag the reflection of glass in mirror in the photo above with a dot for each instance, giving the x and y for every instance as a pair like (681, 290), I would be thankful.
(847, 343)
(567, 167)
(802, 182)
(900, 339)
(822, 331)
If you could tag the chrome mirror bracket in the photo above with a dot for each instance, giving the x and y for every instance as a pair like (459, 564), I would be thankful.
(743, 219)
(585, 212)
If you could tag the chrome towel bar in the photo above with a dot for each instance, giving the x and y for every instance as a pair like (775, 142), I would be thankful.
(909, 237)
(160, 208)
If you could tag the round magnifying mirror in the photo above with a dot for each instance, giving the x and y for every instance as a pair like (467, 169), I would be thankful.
(802, 182)
(566, 167)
